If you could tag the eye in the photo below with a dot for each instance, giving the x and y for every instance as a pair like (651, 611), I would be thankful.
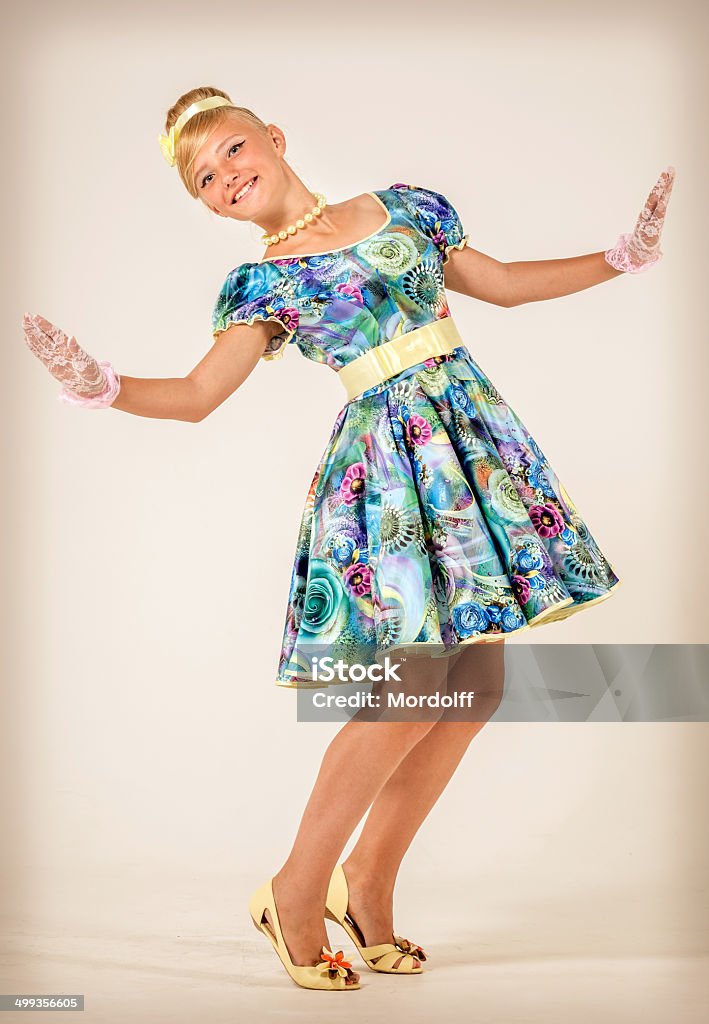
(237, 145)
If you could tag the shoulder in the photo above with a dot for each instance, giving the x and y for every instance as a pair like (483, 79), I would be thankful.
(250, 280)
(427, 203)
(432, 212)
(256, 291)
(254, 284)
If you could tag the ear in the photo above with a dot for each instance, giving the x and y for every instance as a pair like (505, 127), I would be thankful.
(277, 138)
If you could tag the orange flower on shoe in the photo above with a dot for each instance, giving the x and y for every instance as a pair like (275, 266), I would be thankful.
(334, 964)
(408, 947)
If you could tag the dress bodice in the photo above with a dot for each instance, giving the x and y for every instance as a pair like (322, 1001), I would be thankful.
(337, 305)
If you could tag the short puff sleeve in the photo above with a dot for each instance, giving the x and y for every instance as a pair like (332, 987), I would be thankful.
(436, 216)
(258, 291)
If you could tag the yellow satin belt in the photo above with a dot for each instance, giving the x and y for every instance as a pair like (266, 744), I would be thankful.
(385, 361)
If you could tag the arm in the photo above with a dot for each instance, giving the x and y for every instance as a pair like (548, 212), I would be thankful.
(223, 369)
(473, 273)
(532, 281)
(511, 284)
(219, 373)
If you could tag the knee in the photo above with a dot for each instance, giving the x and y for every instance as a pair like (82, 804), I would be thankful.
(411, 733)
(474, 705)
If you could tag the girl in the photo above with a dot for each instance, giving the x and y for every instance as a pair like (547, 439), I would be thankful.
(434, 525)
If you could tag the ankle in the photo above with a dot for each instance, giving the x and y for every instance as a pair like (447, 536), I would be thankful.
(297, 888)
(362, 876)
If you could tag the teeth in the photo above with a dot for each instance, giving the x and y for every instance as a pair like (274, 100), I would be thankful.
(244, 190)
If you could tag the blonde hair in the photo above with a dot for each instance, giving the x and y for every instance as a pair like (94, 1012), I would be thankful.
(200, 126)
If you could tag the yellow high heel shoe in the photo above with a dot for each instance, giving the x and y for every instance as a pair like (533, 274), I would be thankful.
(332, 971)
(398, 957)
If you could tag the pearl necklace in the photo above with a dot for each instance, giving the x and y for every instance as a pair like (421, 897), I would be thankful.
(300, 223)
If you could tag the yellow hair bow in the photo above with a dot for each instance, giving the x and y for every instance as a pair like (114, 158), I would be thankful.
(168, 143)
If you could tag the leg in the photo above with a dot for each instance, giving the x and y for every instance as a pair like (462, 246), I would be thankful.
(412, 790)
(355, 767)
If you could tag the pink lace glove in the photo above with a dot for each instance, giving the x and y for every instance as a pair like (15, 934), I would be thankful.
(641, 250)
(85, 381)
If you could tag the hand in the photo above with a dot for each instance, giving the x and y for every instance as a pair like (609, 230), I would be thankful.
(84, 379)
(640, 250)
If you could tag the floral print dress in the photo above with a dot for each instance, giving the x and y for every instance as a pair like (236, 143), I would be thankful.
(433, 517)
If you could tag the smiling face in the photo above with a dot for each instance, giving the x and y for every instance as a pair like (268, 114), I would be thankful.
(238, 167)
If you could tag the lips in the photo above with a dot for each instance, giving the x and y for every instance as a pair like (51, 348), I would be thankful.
(235, 200)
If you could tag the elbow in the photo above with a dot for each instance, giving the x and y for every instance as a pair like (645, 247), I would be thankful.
(509, 299)
(196, 412)
(198, 407)
(508, 290)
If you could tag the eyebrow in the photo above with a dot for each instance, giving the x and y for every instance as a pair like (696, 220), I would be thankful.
(198, 174)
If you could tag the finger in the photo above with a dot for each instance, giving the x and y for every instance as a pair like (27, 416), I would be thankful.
(28, 324)
(57, 337)
(37, 344)
(650, 205)
(667, 179)
(652, 208)
(669, 182)
(39, 341)
(32, 328)
(35, 326)
(48, 327)
(661, 207)
(653, 198)
(662, 186)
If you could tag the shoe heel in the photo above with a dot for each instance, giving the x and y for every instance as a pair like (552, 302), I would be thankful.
(385, 957)
(258, 904)
(307, 977)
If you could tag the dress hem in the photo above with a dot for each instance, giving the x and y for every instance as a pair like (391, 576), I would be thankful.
(454, 245)
(268, 354)
(556, 613)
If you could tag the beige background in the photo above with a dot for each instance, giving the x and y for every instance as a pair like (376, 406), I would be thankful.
(153, 773)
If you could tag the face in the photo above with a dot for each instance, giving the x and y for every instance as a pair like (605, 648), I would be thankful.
(237, 157)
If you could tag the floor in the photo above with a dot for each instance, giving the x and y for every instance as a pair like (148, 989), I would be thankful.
(178, 951)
